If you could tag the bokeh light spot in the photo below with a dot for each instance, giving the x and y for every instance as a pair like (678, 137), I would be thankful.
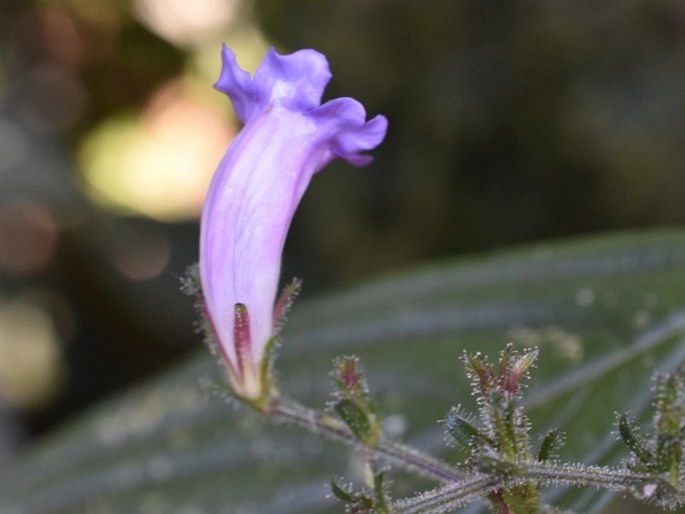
(158, 164)
(31, 364)
(142, 258)
(28, 236)
(54, 98)
(182, 22)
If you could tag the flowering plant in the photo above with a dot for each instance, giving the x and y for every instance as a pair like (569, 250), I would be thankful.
(288, 136)
(591, 319)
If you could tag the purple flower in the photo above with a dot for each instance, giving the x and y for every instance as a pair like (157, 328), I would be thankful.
(288, 136)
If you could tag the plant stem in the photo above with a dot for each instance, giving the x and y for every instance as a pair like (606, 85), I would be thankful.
(579, 474)
(289, 411)
(497, 500)
(448, 497)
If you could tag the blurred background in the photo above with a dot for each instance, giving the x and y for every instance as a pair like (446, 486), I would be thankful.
(510, 122)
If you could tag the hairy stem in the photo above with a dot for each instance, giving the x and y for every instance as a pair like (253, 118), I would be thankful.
(449, 497)
(289, 411)
(579, 474)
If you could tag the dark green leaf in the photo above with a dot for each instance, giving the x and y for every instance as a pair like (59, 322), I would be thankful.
(605, 312)
(340, 493)
(550, 444)
(634, 442)
(463, 432)
(354, 417)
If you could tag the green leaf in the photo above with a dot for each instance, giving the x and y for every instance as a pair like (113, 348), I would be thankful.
(340, 493)
(463, 432)
(634, 442)
(550, 444)
(605, 312)
(355, 418)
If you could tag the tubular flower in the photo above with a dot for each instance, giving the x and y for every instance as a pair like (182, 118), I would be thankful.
(288, 135)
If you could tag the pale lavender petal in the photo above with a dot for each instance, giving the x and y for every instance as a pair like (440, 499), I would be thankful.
(343, 120)
(296, 81)
(253, 195)
(237, 84)
(251, 201)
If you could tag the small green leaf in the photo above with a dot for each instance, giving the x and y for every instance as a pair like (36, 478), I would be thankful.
(550, 444)
(340, 493)
(380, 503)
(634, 442)
(463, 432)
(668, 452)
(357, 420)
